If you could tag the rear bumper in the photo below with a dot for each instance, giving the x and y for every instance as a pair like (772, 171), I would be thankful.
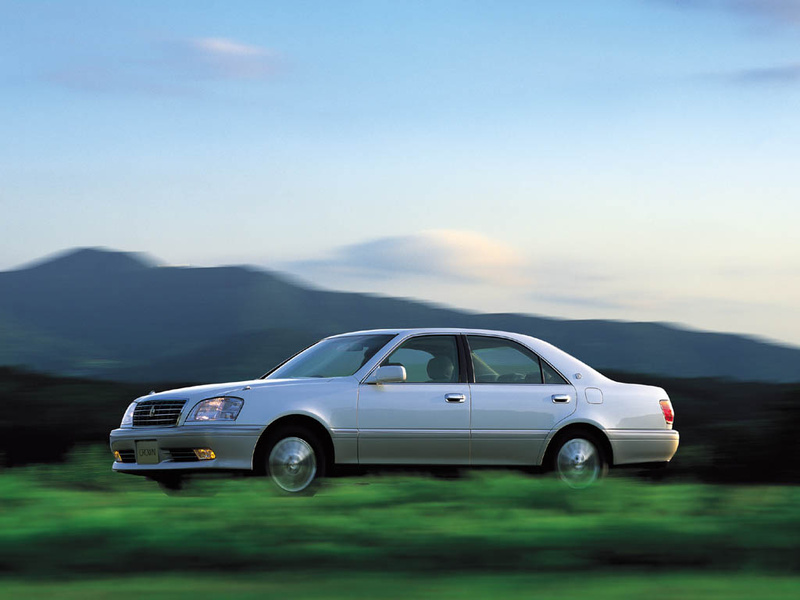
(233, 445)
(631, 446)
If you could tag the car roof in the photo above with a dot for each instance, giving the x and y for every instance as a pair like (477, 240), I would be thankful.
(404, 332)
(417, 330)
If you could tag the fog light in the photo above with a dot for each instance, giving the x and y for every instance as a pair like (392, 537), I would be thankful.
(117, 456)
(204, 454)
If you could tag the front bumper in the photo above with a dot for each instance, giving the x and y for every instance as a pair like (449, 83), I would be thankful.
(631, 446)
(233, 445)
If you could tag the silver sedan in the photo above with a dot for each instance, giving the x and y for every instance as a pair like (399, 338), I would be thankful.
(402, 397)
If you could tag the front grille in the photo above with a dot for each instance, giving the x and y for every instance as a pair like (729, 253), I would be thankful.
(157, 413)
(181, 455)
(127, 456)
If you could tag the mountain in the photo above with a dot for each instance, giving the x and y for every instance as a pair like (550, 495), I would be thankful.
(95, 312)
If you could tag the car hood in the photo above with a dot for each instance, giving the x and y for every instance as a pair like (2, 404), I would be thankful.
(236, 388)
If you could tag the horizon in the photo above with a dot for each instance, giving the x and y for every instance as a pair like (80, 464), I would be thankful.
(628, 160)
(150, 261)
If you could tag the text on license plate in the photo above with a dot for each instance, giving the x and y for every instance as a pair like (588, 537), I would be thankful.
(147, 453)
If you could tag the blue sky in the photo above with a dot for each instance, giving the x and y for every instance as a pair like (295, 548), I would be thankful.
(631, 160)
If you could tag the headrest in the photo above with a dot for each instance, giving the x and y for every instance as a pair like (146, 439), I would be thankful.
(440, 368)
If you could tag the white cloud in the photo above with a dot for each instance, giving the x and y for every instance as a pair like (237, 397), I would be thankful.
(449, 255)
(173, 67)
(221, 58)
(228, 47)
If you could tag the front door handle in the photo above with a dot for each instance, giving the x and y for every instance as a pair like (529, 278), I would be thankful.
(455, 398)
(560, 398)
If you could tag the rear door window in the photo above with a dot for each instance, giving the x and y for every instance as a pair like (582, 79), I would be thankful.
(499, 360)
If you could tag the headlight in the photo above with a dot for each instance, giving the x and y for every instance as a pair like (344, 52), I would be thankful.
(127, 418)
(223, 408)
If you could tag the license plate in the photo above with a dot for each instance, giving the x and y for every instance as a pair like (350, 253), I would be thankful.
(147, 453)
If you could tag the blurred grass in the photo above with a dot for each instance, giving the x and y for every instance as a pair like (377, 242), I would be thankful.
(628, 586)
(80, 520)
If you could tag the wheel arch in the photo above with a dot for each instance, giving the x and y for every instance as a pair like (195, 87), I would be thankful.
(572, 429)
(294, 420)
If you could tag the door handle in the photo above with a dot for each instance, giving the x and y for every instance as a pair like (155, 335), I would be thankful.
(560, 398)
(455, 398)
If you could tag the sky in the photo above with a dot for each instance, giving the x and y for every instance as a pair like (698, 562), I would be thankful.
(629, 160)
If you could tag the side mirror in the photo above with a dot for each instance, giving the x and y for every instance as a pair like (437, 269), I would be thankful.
(388, 374)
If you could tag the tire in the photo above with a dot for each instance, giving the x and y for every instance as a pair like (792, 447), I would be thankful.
(579, 460)
(294, 460)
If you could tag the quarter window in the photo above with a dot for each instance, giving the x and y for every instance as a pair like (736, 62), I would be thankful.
(428, 359)
(551, 376)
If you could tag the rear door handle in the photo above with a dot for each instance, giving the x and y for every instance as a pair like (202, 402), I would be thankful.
(560, 398)
(455, 398)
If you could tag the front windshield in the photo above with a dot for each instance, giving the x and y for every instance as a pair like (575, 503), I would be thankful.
(334, 357)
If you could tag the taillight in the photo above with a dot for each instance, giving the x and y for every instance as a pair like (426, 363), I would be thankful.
(666, 408)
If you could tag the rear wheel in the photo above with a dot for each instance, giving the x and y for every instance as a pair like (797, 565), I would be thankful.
(295, 460)
(579, 460)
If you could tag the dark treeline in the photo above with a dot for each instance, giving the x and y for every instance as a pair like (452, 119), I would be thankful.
(44, 416)
(730, 431)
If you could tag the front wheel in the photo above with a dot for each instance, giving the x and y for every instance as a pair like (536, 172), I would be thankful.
(579, 461)
(295, 461)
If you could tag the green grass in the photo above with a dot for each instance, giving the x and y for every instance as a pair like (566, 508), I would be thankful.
(81, 520)
(357, 586)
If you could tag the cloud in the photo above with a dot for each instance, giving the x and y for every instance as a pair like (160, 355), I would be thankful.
(775, 13)
(787, 74)
(225, 47)
(764, 16)
(456, 256)
(778, 12)
(219, 58)
(778, 75)
(173, 67)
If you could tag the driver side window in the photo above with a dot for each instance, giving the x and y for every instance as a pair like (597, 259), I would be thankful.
(428, 359)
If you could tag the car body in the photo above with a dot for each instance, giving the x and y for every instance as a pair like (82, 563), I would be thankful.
(455, 397)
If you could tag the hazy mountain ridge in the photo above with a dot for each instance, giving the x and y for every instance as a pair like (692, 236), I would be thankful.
(103, 313)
